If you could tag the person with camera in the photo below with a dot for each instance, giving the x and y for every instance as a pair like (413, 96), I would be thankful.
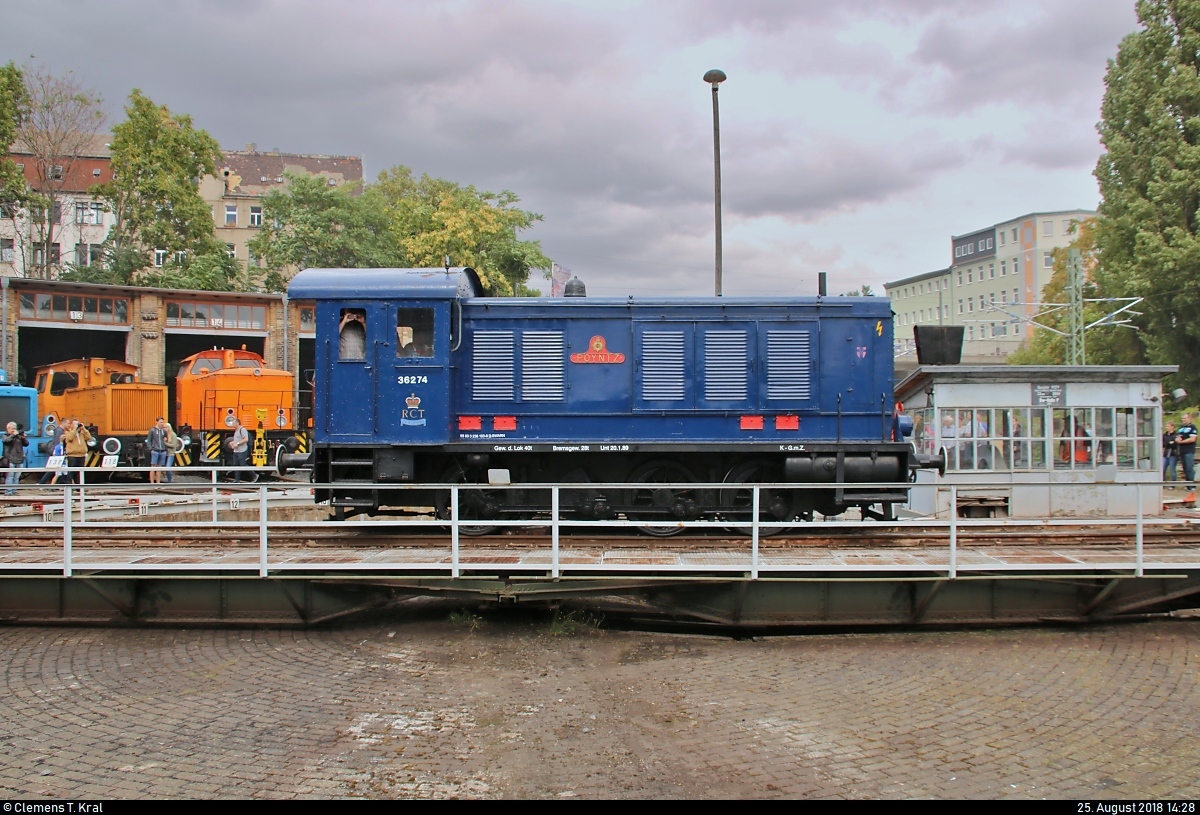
(75, 445)
(14, 456)
(352, 334)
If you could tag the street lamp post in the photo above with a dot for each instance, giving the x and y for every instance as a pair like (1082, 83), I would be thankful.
(715, 78)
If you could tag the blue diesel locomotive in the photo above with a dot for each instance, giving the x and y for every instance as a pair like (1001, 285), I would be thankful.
(420, 380)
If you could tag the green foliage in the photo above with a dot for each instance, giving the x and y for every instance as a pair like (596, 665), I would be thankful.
(158, 160)
(1147, 233)
(572, 623)
(863, 291)
(14, 108)
(312, 225)
(1106, 345)
(399, 221)
(465, 619)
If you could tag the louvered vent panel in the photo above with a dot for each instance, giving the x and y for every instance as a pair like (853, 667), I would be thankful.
(725, 365)
(542, 366)
(789, 365)
(662, 365)
(492, 361)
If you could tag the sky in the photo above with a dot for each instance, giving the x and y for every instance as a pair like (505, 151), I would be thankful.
(857, 136)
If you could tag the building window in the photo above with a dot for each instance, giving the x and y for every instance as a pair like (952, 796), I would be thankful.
(982, 303)
(1004, 297)
(1003, 268)
(308, 319)
(969, 273)
(160, 257)
(35, 306)
(1014, 235)
(231, 215)
(190, 314)
(8, 251)
(1016, 267)
(180, 257)
(1068, 227)
(229, 248)
(81, 254)
(960, 277)
(1016, 295)
(1002, 233)
(1047, 229)
(56, 172)
(970, 332)
(255, 216)
(1047, 260)
(39, 254)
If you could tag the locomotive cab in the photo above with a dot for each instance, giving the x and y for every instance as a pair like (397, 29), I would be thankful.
(384, 357)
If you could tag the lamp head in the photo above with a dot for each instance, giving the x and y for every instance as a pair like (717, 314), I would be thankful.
(714, 77)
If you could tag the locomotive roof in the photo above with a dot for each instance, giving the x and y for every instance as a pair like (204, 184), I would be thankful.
(377, 284)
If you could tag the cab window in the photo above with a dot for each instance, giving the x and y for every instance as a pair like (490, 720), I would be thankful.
(414, 332)
(203, 366)
(41, 383)
(62, 381)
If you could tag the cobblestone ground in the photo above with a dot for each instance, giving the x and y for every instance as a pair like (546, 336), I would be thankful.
(420, 708)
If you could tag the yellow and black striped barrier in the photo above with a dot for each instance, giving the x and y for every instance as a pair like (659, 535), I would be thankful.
(301, 442)
(212, 445)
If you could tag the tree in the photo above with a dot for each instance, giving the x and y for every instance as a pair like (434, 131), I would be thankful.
(437, 218)
(1148, 231)
(158, 160)
(310, 224)
(14, 108)
(62, 122)
(1106, 344)
(863, 291)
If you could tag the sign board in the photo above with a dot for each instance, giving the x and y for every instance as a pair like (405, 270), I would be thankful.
(1049, 395)
(108, 462)
(56, 462)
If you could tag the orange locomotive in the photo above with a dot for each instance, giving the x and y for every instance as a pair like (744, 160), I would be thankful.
(215, 386)
(107, 397)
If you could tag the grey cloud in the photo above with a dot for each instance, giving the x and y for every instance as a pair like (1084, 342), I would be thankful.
(1056, 58)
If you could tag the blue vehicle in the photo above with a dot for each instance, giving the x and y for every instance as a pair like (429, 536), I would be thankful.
(19, 404)
(421, 380)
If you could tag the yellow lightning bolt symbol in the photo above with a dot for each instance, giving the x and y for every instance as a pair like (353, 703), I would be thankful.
(879, 328)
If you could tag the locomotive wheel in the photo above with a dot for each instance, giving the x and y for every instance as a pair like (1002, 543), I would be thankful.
(738, 504)
(660, 503)
(472, 504)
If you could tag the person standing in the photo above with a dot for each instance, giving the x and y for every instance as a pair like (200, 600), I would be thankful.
(1170, 453)
(172, 442)
(75, 441)
(1186, 437)
(50, 476)
(157, 444)
(14, 456)
(239, 445)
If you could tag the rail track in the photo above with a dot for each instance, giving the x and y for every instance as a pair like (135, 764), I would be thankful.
(386, 538)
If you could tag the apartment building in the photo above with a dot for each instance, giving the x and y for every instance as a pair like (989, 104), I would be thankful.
(245, 176)
(71, 231)
(991, 287)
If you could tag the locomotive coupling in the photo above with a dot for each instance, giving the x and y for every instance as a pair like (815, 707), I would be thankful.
(285, 462)
(936, 461)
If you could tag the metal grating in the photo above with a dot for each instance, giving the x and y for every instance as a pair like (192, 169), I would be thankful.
(725, 365)
(542, 366)
(789, 365)
(492, 366)
(134, 408)
(662, 366)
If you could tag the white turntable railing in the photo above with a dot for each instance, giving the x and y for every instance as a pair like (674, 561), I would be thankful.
(231, 513)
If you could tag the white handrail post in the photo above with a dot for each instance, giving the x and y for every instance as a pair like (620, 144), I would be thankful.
(1141, 530)
(454, 531)
(953, 531)
(262, 530)
(554, 572)
(67, 554)
(213, 473)
(82, 495)
(754, 534)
